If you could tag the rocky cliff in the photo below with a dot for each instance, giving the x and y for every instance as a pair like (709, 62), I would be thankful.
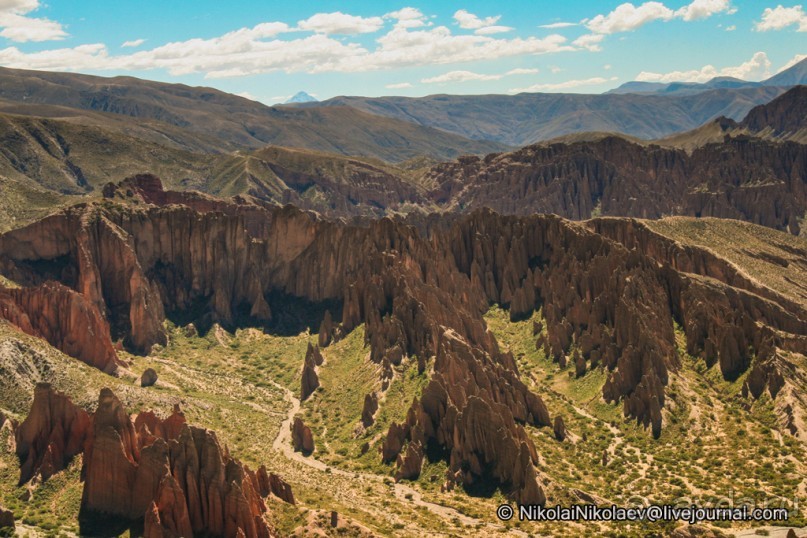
(610, 301)
(740, 178)
(173, 477)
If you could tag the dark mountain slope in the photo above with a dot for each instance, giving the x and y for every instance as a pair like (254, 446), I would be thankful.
(235, 122)
(523, 119)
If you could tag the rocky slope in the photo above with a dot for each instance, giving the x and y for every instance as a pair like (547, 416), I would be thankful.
(610, 298)
(740, 178)
(173, 478)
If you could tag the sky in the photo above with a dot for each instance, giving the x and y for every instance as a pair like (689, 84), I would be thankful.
(268, 51)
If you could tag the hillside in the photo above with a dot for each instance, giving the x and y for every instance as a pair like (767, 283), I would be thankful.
(523, 119)
(213, 118)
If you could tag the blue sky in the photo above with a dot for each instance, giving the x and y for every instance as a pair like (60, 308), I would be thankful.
(269, 50)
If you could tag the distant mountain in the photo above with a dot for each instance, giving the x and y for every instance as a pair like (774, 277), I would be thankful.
(783, 119)
(519, 120)
(302, 97)
(790, 77)
(794, 75)
(210, 120)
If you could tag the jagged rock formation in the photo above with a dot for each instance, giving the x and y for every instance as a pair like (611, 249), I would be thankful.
(64, 318)
(301, 437)
(54, 432)
(174, 477)
(610, 300)
(310, 380)
(739, 178)
(559, 428)
(368, 409)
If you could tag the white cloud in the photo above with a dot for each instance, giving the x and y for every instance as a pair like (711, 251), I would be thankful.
(702, 9)
(16, 26)
(555, 69)
(408, 17)
(459, 76)
(266, 47)
(731, 28)
(607, 67)
(341, 23)
(133, 43)
(590, 42)
(796, 59)
(757, 68)
(469, 21)
(781, 17)
(398, 86)
(555, 25)
(522, 71)
(627, 17)
(489, 30)
(569, 84)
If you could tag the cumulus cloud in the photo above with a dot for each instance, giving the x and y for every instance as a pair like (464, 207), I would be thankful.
(17, 26)
(567, 85)
(781, 17)
(757, 68)
(702, 9)
(399, 85)
(133, 43)
(266, 47)
(590, 42)
(341, 23)
(408, 17)
(469, 21)
(628, 17)
(486, 26)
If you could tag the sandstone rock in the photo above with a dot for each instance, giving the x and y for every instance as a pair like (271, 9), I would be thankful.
(310, 380)
(369, 409)
(53, 433)
(326, 329)
(174, 478)
(559, 428)
(410, 462)
(301, 437)
(149, 377)
(270, 483)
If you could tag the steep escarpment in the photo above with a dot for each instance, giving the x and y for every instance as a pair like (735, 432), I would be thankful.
(740, 178)
(606, 304)
(174, 478)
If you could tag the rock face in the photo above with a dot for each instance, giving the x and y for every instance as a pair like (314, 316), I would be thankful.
(559, 429)
(610, 294)
(174, 477)
(310, 381)
(149, 377)
(54, 432)
(301, 437)
(739, 178)
(369, 409)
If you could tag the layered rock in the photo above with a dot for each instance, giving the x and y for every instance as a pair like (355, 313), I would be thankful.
(174, 477)
(739, 178)
(54, 433)
(301, 437)
(309, 380)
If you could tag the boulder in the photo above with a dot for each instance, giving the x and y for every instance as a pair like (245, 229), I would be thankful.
(149, 378)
